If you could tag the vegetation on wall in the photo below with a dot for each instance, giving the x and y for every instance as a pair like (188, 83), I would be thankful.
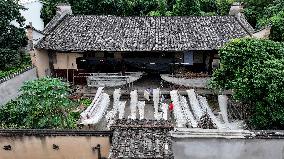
(12, 39)
(253, 69)
(44, 103)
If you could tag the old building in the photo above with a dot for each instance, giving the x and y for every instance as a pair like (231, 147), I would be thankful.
(90, 43)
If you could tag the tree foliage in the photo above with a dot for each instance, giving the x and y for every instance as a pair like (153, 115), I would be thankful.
(44, 103)
(261, 13)
(139, 7)
(48, 10)
(12, 39)
(223, 6)
(277, 28)
(254, 10)
(254, 70)
(101, 7)
(187, 7)
(163, 9)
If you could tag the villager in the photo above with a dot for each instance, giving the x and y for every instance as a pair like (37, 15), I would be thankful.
(171, 108)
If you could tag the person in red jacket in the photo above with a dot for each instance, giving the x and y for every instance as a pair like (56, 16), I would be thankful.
(171, 108)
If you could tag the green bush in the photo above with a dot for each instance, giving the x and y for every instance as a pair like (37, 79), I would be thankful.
(254, 70)
(85, 101)
(277, 28)
(44, 103)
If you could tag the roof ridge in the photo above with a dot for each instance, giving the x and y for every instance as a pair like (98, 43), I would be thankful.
(45, 33)
(152, 16)
(243, 26)
(54, 22)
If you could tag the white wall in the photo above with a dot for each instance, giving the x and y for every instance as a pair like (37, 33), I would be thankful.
(220, 148)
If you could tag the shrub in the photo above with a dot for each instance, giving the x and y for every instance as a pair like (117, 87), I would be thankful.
(44, 103)
(254, 70)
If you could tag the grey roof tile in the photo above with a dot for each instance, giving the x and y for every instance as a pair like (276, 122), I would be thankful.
(112, 33)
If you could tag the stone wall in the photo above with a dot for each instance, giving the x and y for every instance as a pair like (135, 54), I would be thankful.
(10, 89)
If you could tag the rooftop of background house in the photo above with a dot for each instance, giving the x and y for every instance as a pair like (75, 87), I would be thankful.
(113, 33)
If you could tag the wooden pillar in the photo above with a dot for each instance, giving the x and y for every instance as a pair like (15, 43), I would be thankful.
(67, 67)
(211, 57)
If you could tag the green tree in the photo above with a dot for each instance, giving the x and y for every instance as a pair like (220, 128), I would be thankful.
(48, 10)
(253, 69)
(208, 6)
(162, 10)
(139, 7)
(277, 28)
(12, 39)
(187, 7)
(44, 103)
(259, 11)
(101, 7)
(223, 6)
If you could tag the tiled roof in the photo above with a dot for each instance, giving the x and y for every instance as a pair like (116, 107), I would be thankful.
(141, 139)
(246, 24)
(53, 23)
(112, 33)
